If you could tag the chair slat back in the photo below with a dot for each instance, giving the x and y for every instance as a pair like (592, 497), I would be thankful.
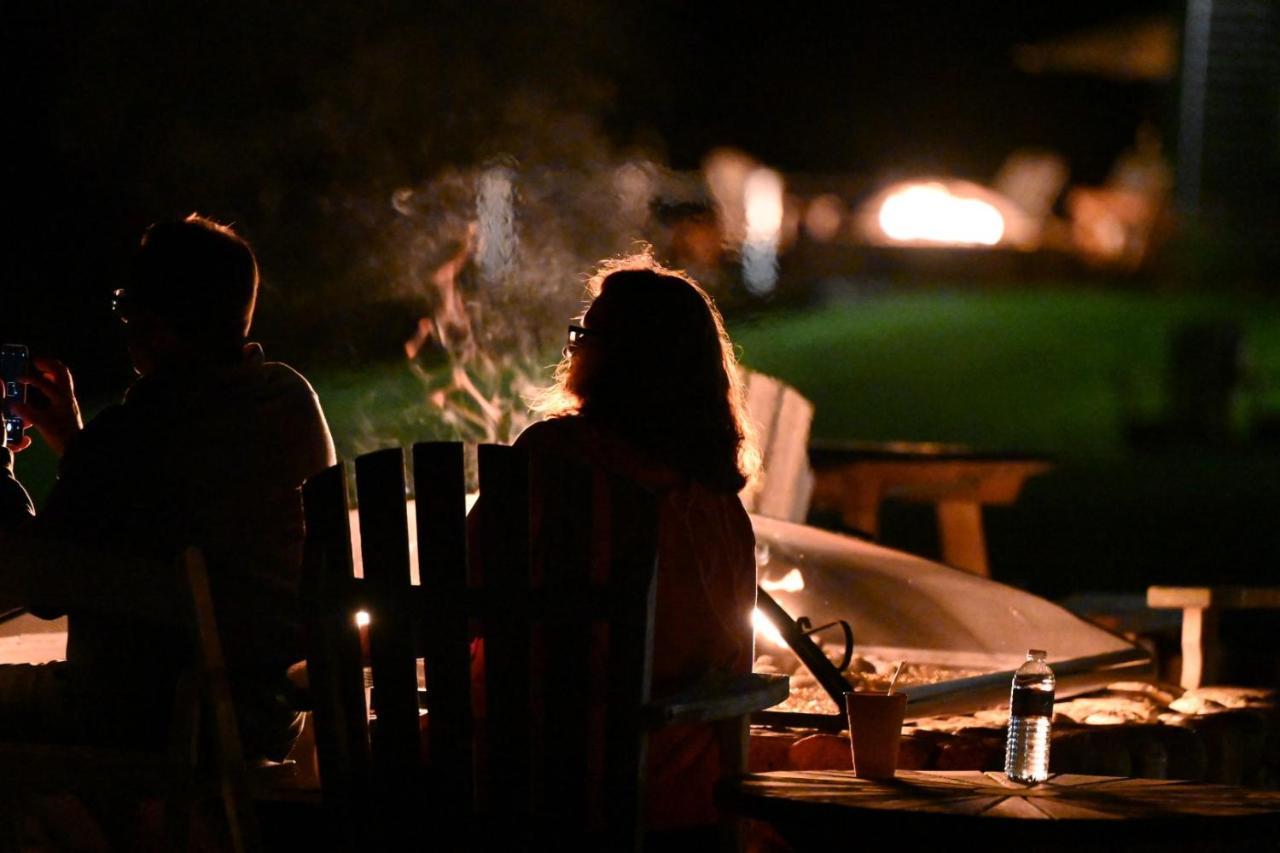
(384, 542)
(233, 775)
(565, 759)
(782, 418)
(632, 526)
(439, 476)
(581, 547)
(505, 578)
(330, 597)
(560, 594)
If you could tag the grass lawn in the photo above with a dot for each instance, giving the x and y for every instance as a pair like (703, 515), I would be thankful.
(1055, 371)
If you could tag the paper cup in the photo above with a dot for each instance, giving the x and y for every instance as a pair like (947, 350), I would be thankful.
(875, 730)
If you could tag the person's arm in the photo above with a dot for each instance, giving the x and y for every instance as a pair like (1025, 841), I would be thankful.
(70, 576)
(15, 503)
(57, 417)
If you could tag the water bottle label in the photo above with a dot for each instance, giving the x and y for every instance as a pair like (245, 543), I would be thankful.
(1032, 703)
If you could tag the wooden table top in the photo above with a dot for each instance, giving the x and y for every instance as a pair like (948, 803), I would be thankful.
(835, 802)
(828, 454)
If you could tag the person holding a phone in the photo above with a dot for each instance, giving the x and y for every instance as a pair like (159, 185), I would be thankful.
(15, 503)
(209, 447)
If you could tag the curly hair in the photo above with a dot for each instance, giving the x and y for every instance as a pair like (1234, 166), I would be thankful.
(664, 376)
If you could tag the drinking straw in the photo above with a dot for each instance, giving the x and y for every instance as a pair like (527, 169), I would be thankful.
(896, 673)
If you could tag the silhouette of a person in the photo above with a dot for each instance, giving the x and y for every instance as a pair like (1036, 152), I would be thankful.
(648, 388)
(209, 447)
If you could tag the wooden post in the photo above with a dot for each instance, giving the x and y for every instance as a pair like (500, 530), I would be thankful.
(960, 530)
(1201, 606)
(1199, 646)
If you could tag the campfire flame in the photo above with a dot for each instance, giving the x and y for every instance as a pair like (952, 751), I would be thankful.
(792, 581)
(766, 629)
(930, 213)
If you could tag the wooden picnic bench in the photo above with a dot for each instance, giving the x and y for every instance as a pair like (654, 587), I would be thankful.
(1201, 607)
(855, 478)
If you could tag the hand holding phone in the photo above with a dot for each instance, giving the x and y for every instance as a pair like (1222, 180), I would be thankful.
(13, 368)
(53, 409)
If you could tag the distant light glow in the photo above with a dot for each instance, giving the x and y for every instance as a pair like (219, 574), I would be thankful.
(362, 618)
(763, 202)
(726, 173)
(792, 581)
(930, 213)
(823, 216)
(766, 629)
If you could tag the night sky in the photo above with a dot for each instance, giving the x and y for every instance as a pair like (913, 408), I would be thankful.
(289, 117)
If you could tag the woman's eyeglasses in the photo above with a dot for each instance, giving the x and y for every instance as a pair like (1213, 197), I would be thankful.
(578, 334)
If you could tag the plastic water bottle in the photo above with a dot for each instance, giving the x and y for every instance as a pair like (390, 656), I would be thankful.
(1026, 756)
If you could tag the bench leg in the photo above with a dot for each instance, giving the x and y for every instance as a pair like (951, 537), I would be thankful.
(1199, 646)
(963, 544)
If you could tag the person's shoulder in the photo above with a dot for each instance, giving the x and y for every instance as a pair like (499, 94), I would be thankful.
(554, 434)
(107, 423)
(281, 374)
(294, 395)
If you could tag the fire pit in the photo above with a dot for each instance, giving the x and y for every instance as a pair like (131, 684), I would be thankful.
(837, 613)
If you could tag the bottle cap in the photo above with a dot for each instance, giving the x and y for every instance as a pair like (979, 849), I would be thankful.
(1036, 654)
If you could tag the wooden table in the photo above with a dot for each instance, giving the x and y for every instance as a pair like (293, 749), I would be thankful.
(815, 808)
(1201, 607)
(856, 477)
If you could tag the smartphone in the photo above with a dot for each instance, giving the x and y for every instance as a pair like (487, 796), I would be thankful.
(13, 366)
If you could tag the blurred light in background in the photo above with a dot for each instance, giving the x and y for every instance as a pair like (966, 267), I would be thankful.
(823, 217)
(931, 213)
(763, 205)
(726, 172)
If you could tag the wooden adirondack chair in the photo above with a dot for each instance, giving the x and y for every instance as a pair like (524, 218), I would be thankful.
(548, 751)
(203, 759)
(781, 417)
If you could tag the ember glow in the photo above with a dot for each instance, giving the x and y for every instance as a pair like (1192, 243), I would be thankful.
(792, 581)
(930, 213)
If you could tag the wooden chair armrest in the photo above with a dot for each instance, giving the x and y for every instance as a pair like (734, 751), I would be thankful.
(719, 697)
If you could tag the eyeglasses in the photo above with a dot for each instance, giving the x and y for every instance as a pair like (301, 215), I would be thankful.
(577, 335)
(120, 304)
